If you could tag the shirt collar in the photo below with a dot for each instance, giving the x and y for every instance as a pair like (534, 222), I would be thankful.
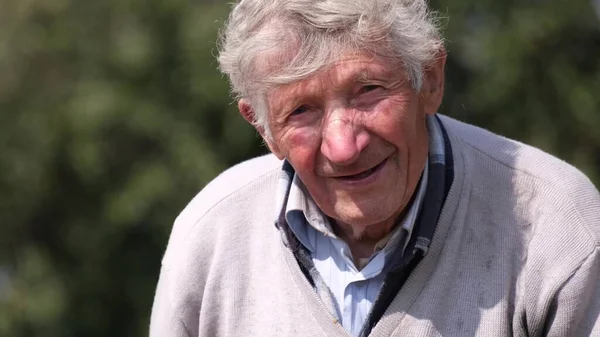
(300, 200)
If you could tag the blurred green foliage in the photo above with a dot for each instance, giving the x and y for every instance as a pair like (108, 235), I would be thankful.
(113, 115)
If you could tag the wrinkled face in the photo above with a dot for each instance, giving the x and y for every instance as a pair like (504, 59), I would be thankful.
(356, 135)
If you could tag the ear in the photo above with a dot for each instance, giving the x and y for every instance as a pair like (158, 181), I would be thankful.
(250, 116)
(433, 85)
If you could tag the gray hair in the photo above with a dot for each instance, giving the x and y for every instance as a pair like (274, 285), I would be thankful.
(268, 43)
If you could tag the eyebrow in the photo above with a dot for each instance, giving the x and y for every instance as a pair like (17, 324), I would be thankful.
(391, 75)
(367, 74)
(363, 75)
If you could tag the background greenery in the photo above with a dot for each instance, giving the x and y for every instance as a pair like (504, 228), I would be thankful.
(113, 115)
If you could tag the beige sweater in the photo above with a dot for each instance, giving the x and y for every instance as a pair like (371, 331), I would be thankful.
(515, 252)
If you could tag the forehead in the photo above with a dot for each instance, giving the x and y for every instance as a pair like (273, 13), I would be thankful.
(348, 70)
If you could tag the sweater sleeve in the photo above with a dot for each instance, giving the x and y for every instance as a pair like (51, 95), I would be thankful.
(165, 321)
(575, 309)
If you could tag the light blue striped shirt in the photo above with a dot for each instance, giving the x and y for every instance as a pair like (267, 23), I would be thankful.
(349, 293)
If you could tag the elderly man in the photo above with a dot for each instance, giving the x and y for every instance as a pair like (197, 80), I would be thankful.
(374, 216)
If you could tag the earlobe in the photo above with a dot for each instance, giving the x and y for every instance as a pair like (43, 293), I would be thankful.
(433, 90)
(249, 115)
(246, 111)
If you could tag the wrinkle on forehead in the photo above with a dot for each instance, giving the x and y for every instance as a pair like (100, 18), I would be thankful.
(289, 55)
(351, 68)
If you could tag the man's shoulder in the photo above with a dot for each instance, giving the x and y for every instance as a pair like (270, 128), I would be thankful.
(562, 185)
(236, 189)
(521, 158)
(232, 181)
(235, 180)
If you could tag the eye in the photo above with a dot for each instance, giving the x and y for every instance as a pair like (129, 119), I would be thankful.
(299, 110)
(368, 88)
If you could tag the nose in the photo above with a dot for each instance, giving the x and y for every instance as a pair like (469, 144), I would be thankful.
(343, 140)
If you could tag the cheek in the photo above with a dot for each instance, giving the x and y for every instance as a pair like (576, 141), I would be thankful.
(301, 147)
(393, 109)
(395, 121)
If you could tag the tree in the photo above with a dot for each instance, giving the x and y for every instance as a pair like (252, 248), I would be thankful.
(113, 115)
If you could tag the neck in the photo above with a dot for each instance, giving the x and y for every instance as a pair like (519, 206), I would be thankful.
(362, 239)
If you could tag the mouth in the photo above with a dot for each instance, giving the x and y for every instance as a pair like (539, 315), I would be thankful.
(365, 174)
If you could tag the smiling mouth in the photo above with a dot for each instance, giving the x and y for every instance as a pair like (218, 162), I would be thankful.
(365, 174)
